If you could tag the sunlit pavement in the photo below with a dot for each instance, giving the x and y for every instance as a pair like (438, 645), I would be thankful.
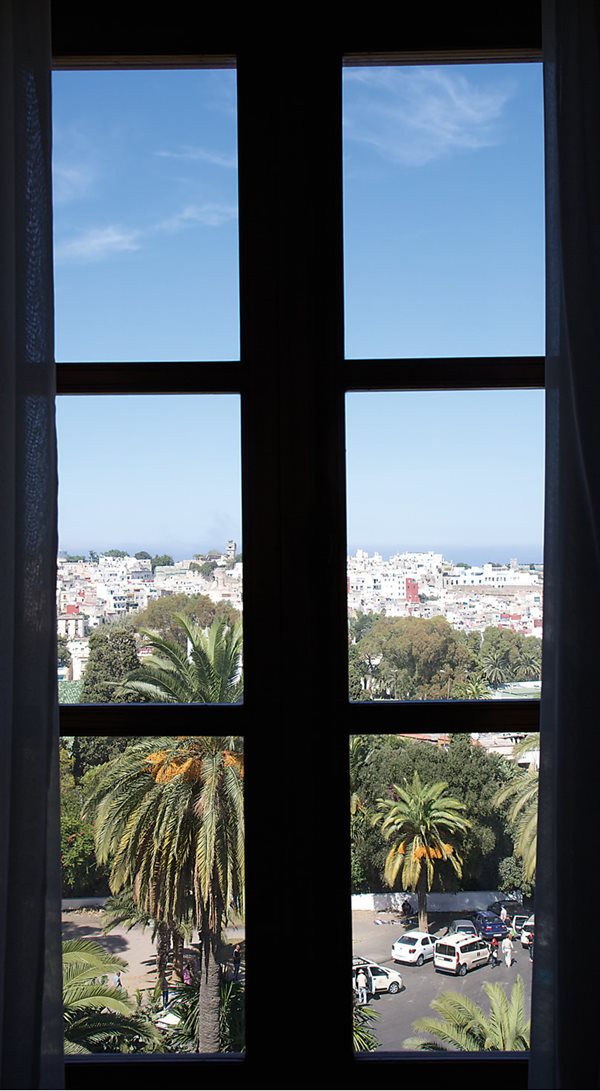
(422, 983)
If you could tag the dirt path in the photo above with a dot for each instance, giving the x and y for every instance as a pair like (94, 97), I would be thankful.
(135, 946)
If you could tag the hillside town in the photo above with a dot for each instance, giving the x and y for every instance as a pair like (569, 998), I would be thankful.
(111, 586)
(425, 585)
(108, 587)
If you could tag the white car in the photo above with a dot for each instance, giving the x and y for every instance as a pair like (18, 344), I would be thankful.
(380, 979)
(413, 947)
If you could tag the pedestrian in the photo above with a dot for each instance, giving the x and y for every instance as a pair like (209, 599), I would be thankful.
(237, 958)
(503, 914)
(530, 946)
(165, 990)
(494, 950)
(507, 950)
(117, 980)
(187, 974)
(361, 985)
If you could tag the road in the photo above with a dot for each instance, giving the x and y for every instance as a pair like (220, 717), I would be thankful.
(422, 984)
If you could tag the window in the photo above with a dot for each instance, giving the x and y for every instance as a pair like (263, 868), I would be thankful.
(292, 381)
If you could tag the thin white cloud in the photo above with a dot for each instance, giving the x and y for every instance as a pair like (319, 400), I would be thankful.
(70, 182)
(97, 244)
(204, 155)
(101, 243)
(412, 116)
(208, 214)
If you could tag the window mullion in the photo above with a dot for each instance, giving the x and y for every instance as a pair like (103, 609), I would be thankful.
(294, 555)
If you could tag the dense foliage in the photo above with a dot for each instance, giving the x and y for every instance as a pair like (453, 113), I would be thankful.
(464, 1025)
(472, 775)
(411, 658)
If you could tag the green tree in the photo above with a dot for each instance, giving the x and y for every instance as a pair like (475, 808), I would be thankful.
(207, 569)
(89, 751)
(208, 671)
(495, 665)
(170, 824)
(161, 559)
(463, 1024)
(143, 556)
(99, 1017)
(475, 689)
(62, 651)
(418, 820)
(522, 795)
(115, 553)
(415, 658)
(113, 656)
(160, 615)
(80, 872)
(364, 1038)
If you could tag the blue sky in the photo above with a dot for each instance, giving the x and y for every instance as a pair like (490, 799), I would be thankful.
(443, 256)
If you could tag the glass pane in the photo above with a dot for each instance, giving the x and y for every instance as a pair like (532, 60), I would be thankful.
(149, 534)
(445, 525)
(145, 215)
(444, 214)
(468, 803)
(131, 920)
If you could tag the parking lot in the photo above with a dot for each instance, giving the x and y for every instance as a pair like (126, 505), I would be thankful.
(421, 984)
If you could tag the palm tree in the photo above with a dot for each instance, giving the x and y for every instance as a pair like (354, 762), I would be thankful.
(418, 820)
(170, 824)
(522, 791)
(530, 662)
(99, 1017)
(364, 1038)
(209, 671)
(495, 666)
(464, 1025)
(475, 689)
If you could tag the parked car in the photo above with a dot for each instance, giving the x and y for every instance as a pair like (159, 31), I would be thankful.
(488, 925)
(380, 979)
(528, 931)
(414, 947)
(462, 925)
(458, 953)
(518, 921)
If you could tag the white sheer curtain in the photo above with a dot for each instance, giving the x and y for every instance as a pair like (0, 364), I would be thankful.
(30, 975)
(565, 1035)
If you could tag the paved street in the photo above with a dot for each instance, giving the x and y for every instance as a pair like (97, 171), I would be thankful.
(422, 984)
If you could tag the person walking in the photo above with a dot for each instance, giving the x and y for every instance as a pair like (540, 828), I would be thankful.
(187, 974)
(237, 960)
(361, 985)
(165, 990)
(494, 951)
(507, 950)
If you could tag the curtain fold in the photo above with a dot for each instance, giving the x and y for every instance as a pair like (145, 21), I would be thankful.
(564, 1032)
(30, 964)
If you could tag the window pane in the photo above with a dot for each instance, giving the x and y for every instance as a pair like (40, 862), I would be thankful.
(149, 532)
(478, 827)
(445, 522)
(145, 193)
(129, 892)
(444, 217)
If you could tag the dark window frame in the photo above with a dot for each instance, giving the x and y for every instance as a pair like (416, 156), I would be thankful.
(292, 379)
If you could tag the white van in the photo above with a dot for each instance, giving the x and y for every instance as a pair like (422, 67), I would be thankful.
(458, 953)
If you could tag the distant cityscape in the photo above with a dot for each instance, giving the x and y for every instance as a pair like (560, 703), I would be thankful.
(108, 587)
(470, 597)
